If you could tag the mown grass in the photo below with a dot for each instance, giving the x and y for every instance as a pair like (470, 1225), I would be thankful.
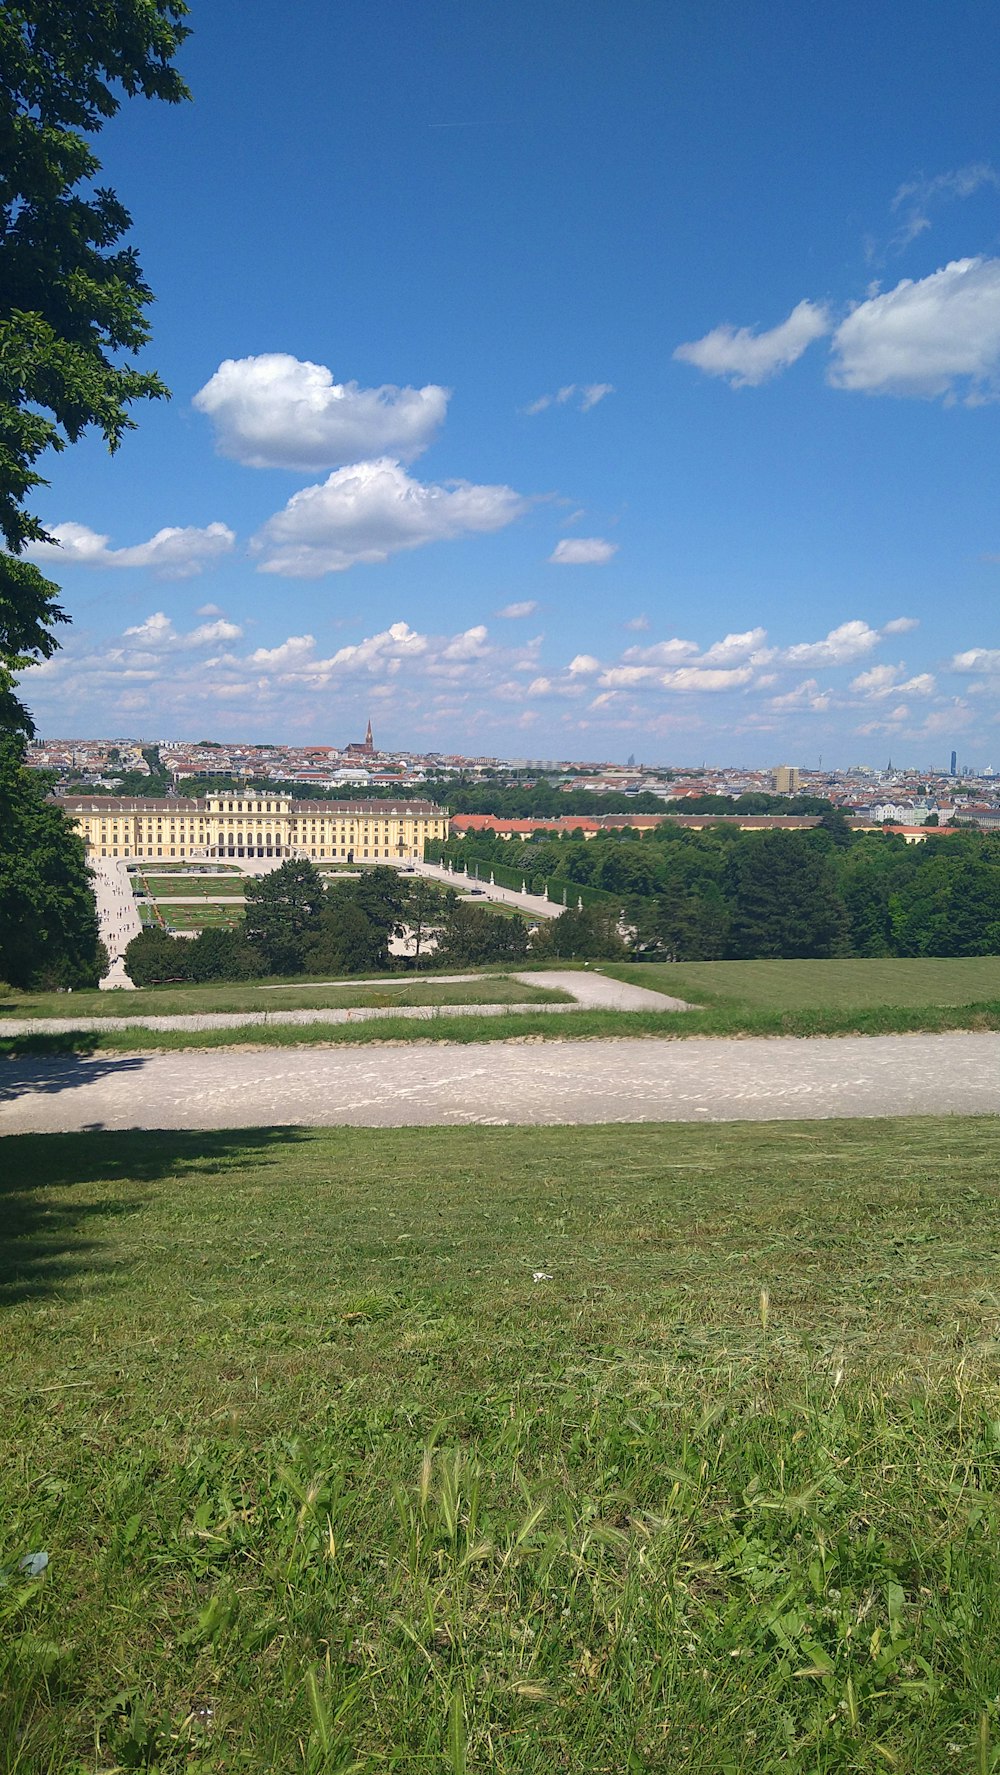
(849, 985)
(521, 1026)
(297, 994)
(660, 1449)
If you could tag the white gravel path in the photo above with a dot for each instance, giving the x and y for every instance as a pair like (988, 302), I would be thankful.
(435, 1084)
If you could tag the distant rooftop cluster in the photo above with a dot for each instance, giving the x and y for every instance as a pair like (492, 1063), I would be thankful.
(896, 794)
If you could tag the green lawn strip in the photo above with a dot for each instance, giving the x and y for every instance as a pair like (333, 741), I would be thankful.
(326, 1477)
(292, 995)
(852, 984)
(521, 1026)
(197, 918)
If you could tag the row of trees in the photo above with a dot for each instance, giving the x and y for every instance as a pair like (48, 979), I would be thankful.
(723, 893)
(294, 924)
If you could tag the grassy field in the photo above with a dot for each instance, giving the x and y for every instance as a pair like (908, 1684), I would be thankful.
(200, 918)
(823, 985)
(165, 1001)
(660, 1450)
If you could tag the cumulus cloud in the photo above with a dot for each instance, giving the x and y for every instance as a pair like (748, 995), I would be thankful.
(977, 659)
(882, 681)
(173, 553)
(590, 393)
(806, 695)
(662, 653)
(278, 411)
(513, 611)
(158, 631)
(901, 625)
(939, 336)
(877, 681)
(843, 645)
(747, 358)
(582, 551)
(373, 510)
(583, 666)
(733, 648)
(688, 678)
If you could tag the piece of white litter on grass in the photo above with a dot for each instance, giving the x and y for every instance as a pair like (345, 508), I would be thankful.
(540, 1276)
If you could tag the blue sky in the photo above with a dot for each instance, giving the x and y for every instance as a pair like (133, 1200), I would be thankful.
(563, 380)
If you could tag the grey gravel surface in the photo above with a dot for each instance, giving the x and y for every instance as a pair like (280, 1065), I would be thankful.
(433, 1084)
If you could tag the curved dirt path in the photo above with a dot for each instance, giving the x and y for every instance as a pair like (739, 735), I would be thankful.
(527, 1082)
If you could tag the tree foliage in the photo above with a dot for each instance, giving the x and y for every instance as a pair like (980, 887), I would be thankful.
(72, 297)
(283, 914)
(48, 920)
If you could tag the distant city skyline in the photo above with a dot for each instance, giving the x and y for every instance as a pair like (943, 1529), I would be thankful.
(564, 381)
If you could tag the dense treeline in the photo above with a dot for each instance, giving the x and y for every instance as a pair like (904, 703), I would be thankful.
(724, 893)
(295, 924)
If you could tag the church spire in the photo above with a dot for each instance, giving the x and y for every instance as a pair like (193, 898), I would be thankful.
(369, 742)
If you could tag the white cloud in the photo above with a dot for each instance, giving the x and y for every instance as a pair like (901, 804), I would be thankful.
(638, 623)
(472, 644)
(209, 610)
(373, 510)
(938, 336)
(901, 625)
(851, 641)
(173, 553)
(734, 648)
(977, 659)
(582, 551)
(688, 678)
(158, 631)
(883, 681)
(661, 653)
(747, 358)
(583, 665)
(513, 611)
(278, 411)
(590, 394)
(877, 681)
(293, 652)
(209, 632)
(806, 695)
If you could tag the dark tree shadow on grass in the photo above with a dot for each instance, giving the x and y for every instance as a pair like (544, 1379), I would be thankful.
(58, 1191)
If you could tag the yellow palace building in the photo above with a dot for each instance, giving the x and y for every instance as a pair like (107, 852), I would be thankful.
(234, 825)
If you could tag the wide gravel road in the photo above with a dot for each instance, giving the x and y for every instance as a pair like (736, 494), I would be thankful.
(433, 1084)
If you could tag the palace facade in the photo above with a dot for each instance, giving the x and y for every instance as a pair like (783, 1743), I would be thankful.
(231, 825)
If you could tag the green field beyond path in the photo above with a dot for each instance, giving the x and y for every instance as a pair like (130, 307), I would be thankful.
(633, 1449)
(855, 984)
(304, 994)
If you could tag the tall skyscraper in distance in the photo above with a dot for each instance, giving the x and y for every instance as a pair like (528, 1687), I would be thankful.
(954, 764)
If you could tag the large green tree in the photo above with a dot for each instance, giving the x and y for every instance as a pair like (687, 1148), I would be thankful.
(73, 300)
(48, 922)
(283, 914)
